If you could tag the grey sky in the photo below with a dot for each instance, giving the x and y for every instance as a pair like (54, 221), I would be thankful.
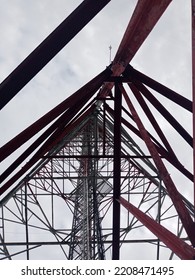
(24, 24)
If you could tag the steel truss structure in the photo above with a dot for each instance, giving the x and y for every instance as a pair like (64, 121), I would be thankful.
(96, 184)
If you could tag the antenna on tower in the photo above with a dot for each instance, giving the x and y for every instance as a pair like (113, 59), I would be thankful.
(110, 54)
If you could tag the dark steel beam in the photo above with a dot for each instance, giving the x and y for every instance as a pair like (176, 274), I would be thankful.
(50, 132)
(117, 173)
(165, 113)
(95, 156)
(152, 120)
(49, 48)
(164, 174)
(193, 86)
(133, 74)
(54, 138)
(86, 91)
(183, 250)
(161, 150)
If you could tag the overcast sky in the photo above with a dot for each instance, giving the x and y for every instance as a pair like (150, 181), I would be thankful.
(165, 56)
(24, 24)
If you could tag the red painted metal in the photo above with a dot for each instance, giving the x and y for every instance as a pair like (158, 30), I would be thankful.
(52, 131)
(178, 246)
(143, 20)
(159, 147)
(54, 139)
(134, 74)
(166, 114)
(163, 153)
(49, 48)
(193, 86)
(152, 120)
(171, 188)
(87, 90)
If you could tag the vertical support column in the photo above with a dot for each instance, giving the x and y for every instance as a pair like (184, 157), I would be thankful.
(117, 173)
(193, 85)
(26, 219)
(159, 216)
(52, 194)
(104, 128)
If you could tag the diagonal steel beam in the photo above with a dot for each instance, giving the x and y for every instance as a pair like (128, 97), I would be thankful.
(51, 132)
(170, 186)
(143, 20)
(161, 150)
(152, 119)
(87, 90)
(63, 128)
(176, 244)
(165, 113)
(49, 48)
(158, 87)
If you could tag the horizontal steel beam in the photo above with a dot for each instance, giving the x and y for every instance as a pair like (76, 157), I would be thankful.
(46, 243)
(94, 156)
(49, 48)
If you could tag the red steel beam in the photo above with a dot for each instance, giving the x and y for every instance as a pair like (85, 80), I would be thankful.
(134, 74)
(183, 250)
(49, 48)
(87, 90)
(53, 140)
(193, 86)
(64, 128)
(176, 163)
(152, 120)
(143, 20)
(170, 186)
(51, 131)
(164, 112)
(159, 147)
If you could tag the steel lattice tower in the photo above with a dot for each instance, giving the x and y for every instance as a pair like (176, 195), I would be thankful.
(96, 184)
